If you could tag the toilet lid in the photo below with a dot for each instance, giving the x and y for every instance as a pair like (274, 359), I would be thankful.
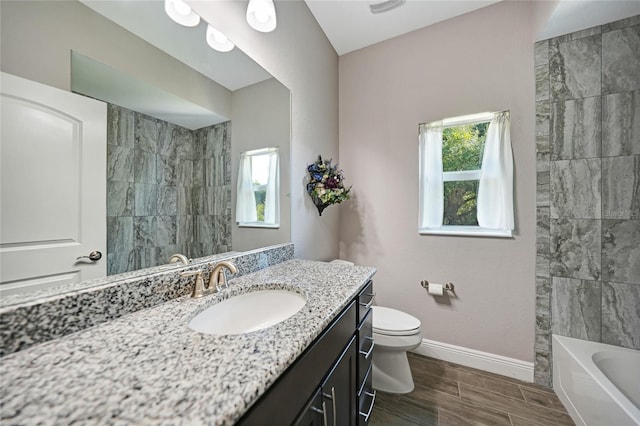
(393, 322)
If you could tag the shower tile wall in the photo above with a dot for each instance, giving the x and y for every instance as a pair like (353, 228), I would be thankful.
(588, 188)
(168, 190)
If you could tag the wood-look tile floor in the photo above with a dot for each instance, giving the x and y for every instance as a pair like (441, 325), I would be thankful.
(449, 394)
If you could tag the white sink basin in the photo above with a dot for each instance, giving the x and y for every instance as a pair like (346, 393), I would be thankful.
(248, 312)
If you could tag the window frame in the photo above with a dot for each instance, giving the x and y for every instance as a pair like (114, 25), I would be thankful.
(457, 176)
(259, 224)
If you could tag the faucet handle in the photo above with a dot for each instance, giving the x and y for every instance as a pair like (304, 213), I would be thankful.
(217, 277)
(198, 288)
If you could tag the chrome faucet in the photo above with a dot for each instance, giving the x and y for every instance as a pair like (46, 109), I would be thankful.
(217, 276)
(179, 258)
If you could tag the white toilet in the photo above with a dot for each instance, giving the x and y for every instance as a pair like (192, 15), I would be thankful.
(394, 333)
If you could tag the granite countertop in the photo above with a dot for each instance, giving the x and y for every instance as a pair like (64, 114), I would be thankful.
(149, 367)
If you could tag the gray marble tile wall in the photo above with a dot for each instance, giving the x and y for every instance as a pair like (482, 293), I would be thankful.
(588, 188)
(168, 190)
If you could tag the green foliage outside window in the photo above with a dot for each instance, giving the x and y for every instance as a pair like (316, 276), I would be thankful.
(261, 194)
(260, 212)
(462, 149)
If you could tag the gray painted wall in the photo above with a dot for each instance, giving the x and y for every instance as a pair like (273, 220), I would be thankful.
(168, 190)
(261, 118)
(385, 91)
(588, 188)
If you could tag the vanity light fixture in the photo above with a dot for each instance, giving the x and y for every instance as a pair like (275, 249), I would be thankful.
(218, 41)
(261, 15)
(180, 12)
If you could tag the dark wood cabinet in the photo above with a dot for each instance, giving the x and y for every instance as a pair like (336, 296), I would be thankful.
(339, 389)
(315, 413)
(325, 386)
(365, 397)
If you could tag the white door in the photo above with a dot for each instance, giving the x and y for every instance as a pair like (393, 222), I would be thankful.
(52, 186)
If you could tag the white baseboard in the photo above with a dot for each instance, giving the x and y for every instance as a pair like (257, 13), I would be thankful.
(486, 361)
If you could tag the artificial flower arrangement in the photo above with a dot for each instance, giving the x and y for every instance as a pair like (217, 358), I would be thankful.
(326, 185)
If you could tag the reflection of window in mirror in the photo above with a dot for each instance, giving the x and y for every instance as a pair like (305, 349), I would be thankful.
(258, 202)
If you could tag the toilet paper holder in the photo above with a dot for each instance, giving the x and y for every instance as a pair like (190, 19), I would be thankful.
(446, 286)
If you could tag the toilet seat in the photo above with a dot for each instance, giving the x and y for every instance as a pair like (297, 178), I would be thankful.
(391, 322)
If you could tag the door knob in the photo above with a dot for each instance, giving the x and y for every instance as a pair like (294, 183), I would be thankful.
(94, 255)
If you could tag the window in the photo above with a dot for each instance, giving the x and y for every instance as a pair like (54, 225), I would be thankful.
(466, 176)
(257, 201)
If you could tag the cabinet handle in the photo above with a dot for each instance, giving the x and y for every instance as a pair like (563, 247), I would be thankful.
(333, 401)
(368, 305)
(323, 411)
(367, 353)
(332, 397)
(373, 400)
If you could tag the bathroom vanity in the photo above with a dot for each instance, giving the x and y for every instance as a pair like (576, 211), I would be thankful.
(149, 367)
(330, 383)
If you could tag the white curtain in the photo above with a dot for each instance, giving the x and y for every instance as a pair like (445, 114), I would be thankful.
(495, 193)
(246, 198)
(431, 174)
(271, 199)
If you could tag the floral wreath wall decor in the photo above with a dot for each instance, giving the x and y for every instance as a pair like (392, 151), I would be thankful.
(326, 186)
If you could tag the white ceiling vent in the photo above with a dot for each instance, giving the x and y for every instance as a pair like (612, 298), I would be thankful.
(385, 6)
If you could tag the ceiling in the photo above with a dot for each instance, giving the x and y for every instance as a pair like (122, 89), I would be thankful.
(95, 79)
(569, 16)
(233, 70)
(148, 20)
(350, 25)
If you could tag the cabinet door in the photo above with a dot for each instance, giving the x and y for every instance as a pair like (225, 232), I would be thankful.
(339, 389)
(315, 413)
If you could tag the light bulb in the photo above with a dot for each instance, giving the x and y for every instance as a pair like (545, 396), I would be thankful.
(181, 7)
(218, 41)
(261, 15)
(220, 38)
(181, 13)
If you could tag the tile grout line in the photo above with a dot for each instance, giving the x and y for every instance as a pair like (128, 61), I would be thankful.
(524, 397)
(601, 182)
(510, 398)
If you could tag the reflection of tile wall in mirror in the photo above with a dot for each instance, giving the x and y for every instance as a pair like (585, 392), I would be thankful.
(145, 225)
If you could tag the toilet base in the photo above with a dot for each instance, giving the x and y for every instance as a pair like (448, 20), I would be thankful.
(391, 372)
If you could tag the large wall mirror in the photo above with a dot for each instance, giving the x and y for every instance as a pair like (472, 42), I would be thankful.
(178, 117)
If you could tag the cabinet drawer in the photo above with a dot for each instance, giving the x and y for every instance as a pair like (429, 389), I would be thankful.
(366, 400)
(365, 300)
(365, 347)
(366, 382)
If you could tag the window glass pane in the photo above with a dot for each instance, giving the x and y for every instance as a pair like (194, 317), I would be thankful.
(462, 147)
(460, 203)
(260, 169)
(260, 176)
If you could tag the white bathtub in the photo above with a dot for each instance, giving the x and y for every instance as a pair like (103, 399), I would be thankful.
(598, 384)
